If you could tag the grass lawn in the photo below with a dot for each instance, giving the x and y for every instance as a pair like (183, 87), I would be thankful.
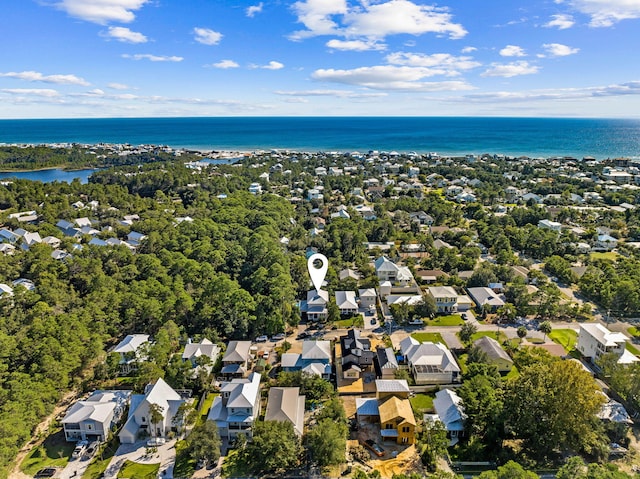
(610, 255)
(432, 337)
(632, 349)
(356, 321)
(206, 405)
(421, 403)
(101, 460)
(184, 466)
(234, 465)
(633, 331)
(133, 470)
(54, 451)
(497, 335)
(448, 320)
(564, 337)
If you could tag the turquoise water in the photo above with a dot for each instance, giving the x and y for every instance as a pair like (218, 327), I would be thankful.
(539, 137)
(48, 176)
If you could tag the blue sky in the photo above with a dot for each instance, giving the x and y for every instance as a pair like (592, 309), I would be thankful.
(124, 58)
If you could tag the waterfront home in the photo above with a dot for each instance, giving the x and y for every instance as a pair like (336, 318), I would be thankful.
(92, 419)
(158, 396)
(286, 405)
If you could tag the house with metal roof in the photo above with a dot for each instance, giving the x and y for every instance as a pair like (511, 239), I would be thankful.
(430, 363)
(449, 410)
(92, 418)
(236, 408)
(286, 405)
(495, 354)
(236, 359)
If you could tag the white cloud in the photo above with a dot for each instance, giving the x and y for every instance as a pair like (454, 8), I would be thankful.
(508, 70)
(622, 89)
(225, 64)
(512, 51)
(153, 58)
(207, 36)
(605, 13)
(123, 34)
(560, 21)
(389, 77)
(42, 92)
(469, 50)
(101, 11)
(118, 86)
(37, 76)
(253, 9)
(559, 50)
(442, 63)
(272, 65)
(373, 20)
(355, 45)
(335, 93)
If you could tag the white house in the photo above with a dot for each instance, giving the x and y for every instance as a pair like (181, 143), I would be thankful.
(139, 420)
(237, 407)
(346, 301)
(430, 363)
(315, 359)
(387, 270)
(594, 340)
(316, 305)
(92, 418)
(131, 351)
(550, 225)
(205, 348)
(445, 297)
(485, 297)
(450, 411)
(367, 297)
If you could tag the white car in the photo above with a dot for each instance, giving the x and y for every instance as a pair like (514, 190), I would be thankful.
(79, 449)
(416, 322)
(262, 339)
(278, 337)
(156, 441)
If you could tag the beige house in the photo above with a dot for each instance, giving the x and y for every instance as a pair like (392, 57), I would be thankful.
(286, 405)
(495, 353)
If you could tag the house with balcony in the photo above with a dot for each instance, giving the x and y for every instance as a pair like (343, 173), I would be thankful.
(237, 407)
(429, 363)
(237, 359)
(594, 341)
(316, 305)
(131, 350)
(92, 419)
(315, 359)
(346, 302)
(387, 270)
(357, 357)
(159, 395)
(445, 297)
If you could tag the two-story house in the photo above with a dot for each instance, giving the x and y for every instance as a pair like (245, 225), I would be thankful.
(445, 297)
(286, 405)
(357, 357)
(237, 407)
(92, 418)
(594, 341)
(131, 350)
(450, 412)
(346, 302)
(315, 359)
(201, 355)
(159, 396)
(236, 359)
(430, 363)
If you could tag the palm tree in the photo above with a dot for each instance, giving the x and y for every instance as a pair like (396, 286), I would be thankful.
(545, 327)
(155, 416)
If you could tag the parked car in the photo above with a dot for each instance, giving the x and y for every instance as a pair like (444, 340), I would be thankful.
(91, 449)
(46, 472)
(265, 355)
(156, 441)
(262, 339)
(278, 337)
(79, 449)
(373, 447)
(416, 322)
(303, 335)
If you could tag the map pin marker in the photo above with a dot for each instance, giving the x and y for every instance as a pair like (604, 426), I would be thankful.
(317, 274)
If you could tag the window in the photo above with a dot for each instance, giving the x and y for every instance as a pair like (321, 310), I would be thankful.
(405, 429)
(144, 419)
(388, 426)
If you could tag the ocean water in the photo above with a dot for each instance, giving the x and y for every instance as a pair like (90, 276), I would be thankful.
(538, 137)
